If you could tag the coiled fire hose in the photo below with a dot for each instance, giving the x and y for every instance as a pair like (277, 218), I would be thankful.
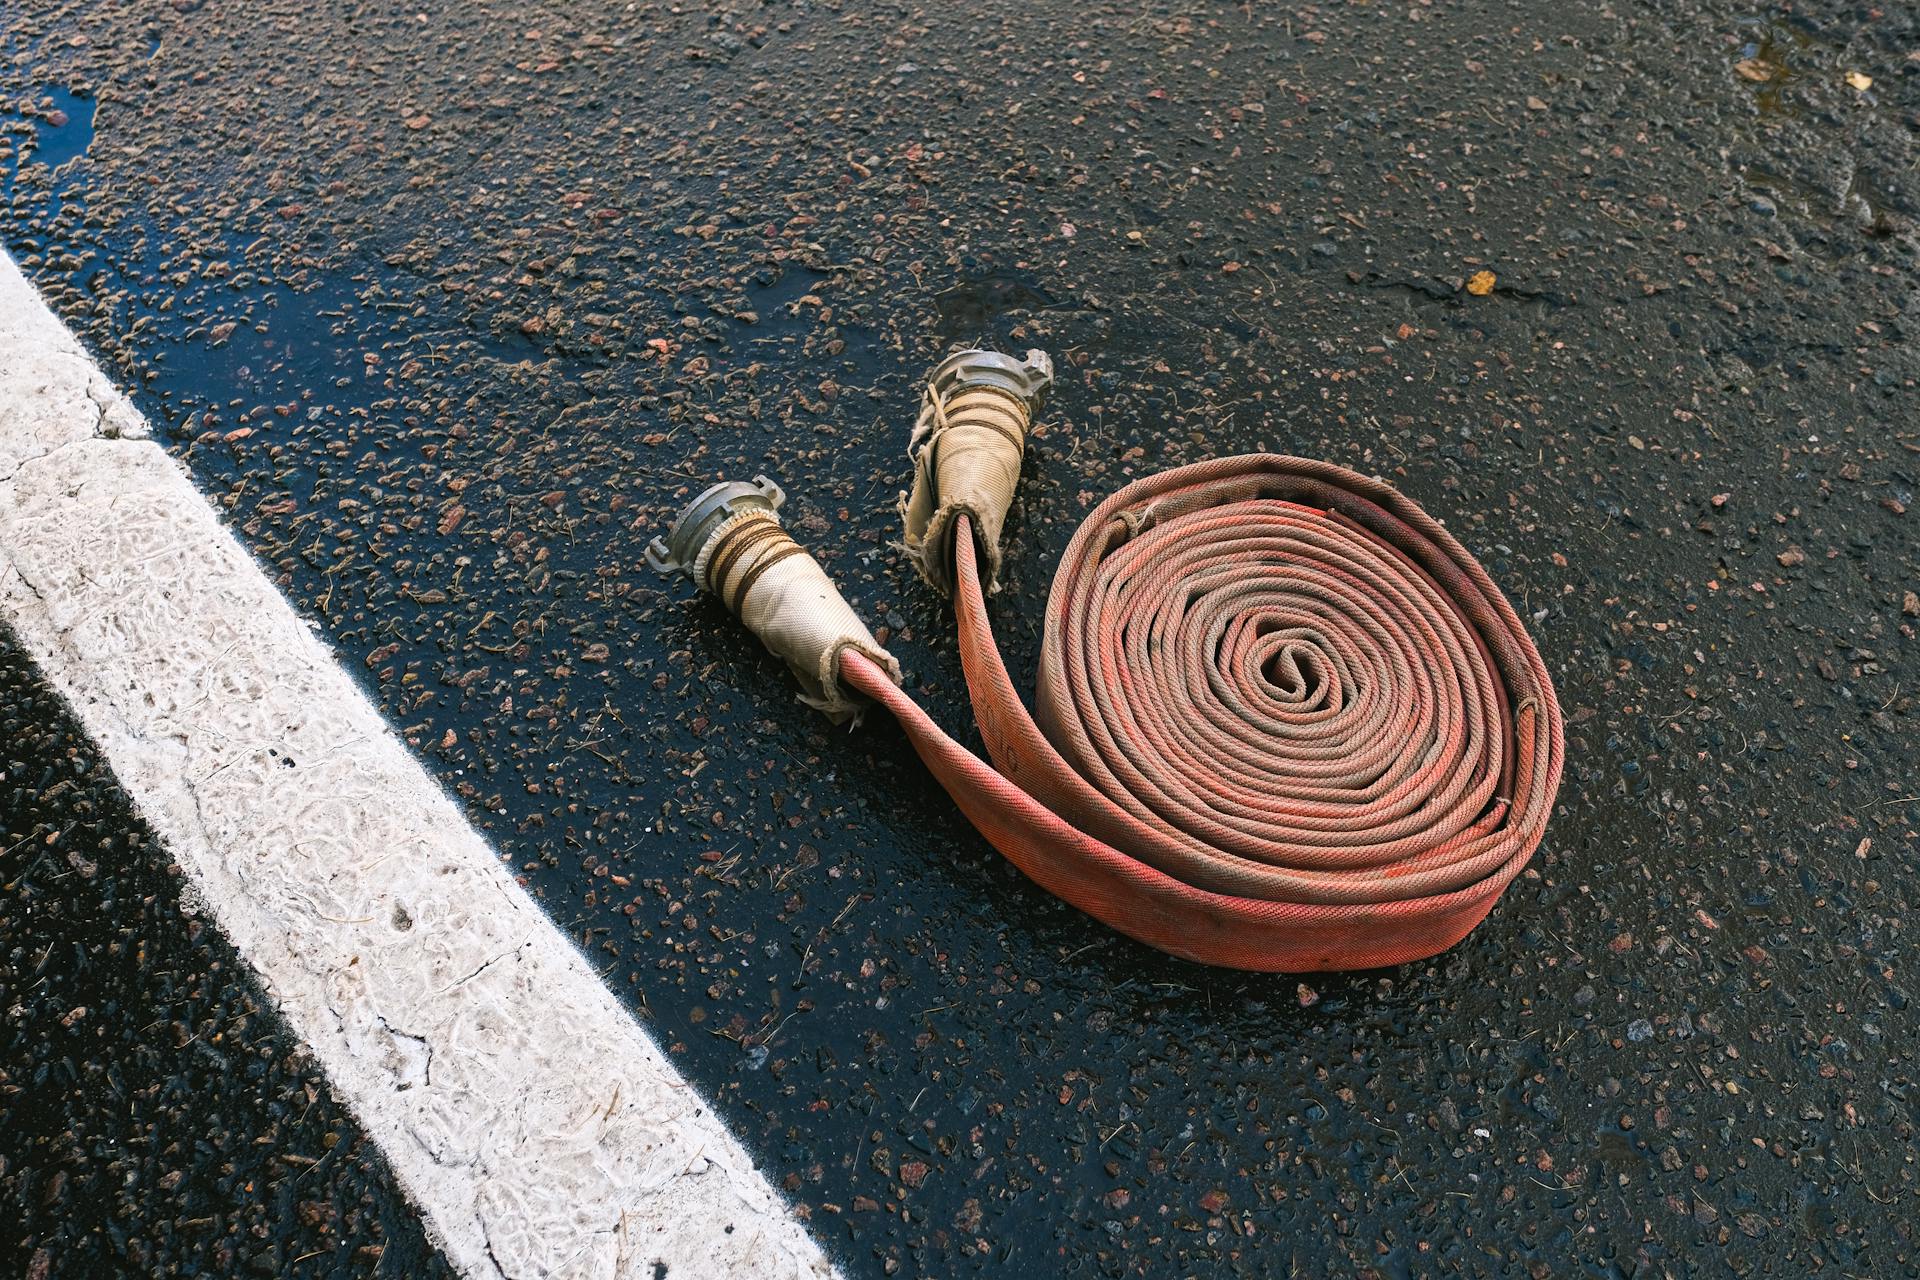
(1284, 721)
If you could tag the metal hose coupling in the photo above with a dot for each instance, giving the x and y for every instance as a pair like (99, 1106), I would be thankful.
(966, 449)
(729, 540)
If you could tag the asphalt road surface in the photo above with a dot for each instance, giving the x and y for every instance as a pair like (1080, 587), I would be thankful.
(450, 308)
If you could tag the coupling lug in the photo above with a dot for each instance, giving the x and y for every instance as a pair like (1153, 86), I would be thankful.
(700, 519)
(1026, 379)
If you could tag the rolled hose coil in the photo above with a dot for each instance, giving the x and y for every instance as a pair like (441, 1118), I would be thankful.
(1283, 720)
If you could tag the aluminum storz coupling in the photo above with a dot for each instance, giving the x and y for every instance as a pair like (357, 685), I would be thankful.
(966, 448)
(730, 542)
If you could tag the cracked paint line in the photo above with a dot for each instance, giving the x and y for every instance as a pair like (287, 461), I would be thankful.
(529, 1117)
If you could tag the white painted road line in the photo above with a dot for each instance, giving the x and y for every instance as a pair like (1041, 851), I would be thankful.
(537, 1127)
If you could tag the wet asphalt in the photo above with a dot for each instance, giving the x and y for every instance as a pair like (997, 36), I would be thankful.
(449, 310)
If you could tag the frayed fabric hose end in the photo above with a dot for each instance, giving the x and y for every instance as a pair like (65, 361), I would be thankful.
(966, 447)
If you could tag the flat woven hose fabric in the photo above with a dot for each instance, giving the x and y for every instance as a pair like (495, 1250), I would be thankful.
(1284, 721)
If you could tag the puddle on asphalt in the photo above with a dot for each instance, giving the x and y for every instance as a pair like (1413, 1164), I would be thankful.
(969, 310)
(1619, 1151)
(62, 130)
(63, 133)
(273, 345)
(1771, 59)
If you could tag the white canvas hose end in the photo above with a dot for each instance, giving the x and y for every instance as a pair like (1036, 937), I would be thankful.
(729, 540)
(966, 449)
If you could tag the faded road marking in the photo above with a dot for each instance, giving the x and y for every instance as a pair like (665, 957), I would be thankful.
(537, 1127)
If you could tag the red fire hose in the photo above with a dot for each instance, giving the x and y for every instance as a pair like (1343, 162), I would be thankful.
(1284, 721)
